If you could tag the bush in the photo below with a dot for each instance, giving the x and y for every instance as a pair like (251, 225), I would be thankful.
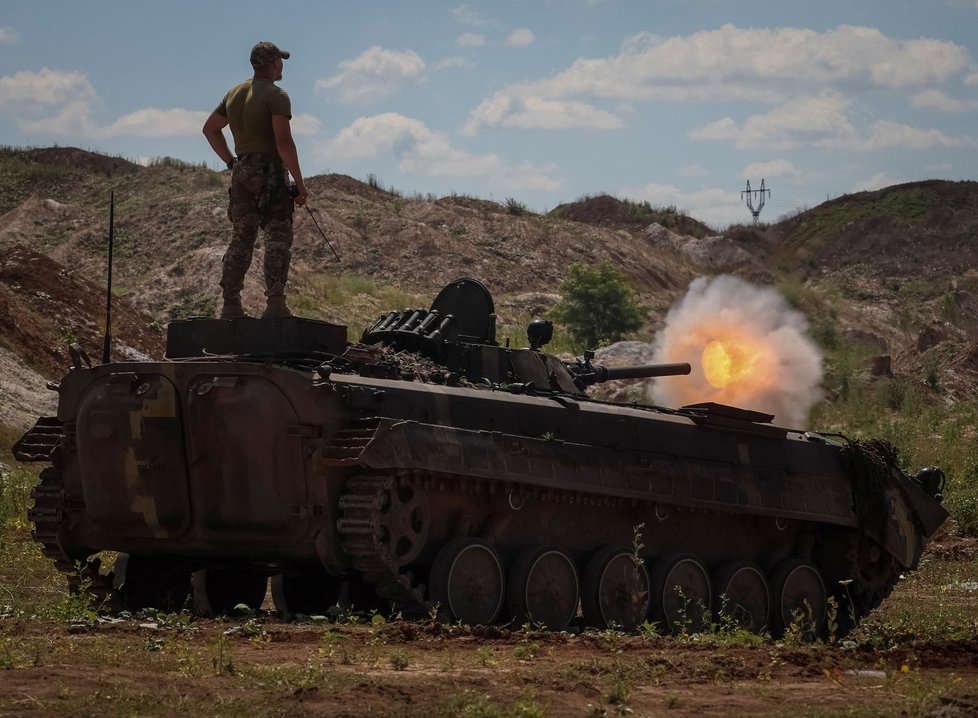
(962, 500)
(515, 207)
(598, 306)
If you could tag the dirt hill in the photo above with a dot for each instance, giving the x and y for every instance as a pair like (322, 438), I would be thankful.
(893, 269)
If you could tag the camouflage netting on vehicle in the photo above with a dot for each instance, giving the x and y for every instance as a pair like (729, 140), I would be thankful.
(868, 463)
(410, 366)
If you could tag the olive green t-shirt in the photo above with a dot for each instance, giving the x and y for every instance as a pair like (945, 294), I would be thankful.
(249, 108)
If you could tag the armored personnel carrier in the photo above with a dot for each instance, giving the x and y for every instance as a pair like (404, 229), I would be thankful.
(427, 468)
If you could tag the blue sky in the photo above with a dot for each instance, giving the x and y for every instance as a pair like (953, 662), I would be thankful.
(678, 102)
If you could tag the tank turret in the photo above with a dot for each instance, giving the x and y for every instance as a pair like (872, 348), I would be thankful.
(459, 331)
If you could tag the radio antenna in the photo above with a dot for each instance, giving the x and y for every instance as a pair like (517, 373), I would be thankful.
(107, 342)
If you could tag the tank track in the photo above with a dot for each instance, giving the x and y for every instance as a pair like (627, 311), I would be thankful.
(364, 540)
(362, 536)
(48, 515)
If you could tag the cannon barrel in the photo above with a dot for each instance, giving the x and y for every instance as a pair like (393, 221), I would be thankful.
(603, 373)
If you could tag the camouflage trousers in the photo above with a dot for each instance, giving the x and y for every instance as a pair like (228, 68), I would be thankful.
(258, 199)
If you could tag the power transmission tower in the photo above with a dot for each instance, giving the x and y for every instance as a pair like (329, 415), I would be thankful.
(749, 194)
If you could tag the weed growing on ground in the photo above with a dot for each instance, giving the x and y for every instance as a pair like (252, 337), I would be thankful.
(80, 606)
(526, 650)
(801, 630)
(728, 630)
(620, 689)
(10, 657)
(399, 659)
(487, 656)
(223, 659)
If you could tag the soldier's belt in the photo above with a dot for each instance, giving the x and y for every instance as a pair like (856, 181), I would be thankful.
(258, 157)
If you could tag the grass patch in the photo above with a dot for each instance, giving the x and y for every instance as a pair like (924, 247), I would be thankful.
(831, 219)
(351, 299)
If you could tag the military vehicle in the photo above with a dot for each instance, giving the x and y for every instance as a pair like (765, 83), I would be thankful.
(427, 468)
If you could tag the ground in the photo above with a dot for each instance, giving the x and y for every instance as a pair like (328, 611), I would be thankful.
(405, 669)
(917, 655)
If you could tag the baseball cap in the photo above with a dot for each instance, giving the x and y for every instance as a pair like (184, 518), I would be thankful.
(265, 52)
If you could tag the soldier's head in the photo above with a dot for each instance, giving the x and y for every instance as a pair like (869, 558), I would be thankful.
(266, 59)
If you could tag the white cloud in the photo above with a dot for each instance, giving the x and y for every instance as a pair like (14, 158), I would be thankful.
(813, 120)
(757, 65)
(937, 100)
(971, 79)
(71, 99)
(789, 56)
(772, 168)
(878, 181)
(527, 111)
(822, 121)
(419, 150)
(152, 122)
(471, 39)
(375, 74)
(7, 35)
(75, 120)
(886, 135)
(305, 125)
(693, 170)
(44, 88)
(521, 37)
(449, 63)
(467, 15)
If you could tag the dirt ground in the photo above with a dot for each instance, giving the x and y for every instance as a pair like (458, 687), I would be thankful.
(268, 668)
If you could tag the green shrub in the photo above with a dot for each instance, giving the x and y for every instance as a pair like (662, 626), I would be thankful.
(598, 306)
(515, 207)
(962, 500)
(15, 496)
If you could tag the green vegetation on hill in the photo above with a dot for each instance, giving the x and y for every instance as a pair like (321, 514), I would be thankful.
(832, 218)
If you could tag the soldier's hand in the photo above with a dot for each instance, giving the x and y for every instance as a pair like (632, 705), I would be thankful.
(300, 197)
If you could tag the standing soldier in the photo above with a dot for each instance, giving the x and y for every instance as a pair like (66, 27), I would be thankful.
(259, 113)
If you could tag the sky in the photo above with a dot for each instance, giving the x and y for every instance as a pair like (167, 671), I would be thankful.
(679, 103)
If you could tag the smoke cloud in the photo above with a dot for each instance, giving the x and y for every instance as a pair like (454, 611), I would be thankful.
(748, 348)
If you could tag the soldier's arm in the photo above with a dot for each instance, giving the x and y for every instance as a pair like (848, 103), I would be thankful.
(290, 156)
(214, 132)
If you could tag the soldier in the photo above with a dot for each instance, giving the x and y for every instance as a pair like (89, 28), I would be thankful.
(258, 112)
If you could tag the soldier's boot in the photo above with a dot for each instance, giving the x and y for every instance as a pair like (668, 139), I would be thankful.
(232, 308)
(276, 308)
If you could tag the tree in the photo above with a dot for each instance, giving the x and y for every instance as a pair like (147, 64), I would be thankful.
(598, 306)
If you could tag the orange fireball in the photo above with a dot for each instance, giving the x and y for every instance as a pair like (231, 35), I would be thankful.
(732, 362)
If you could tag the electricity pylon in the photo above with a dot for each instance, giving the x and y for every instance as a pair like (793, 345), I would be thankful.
(749, 193)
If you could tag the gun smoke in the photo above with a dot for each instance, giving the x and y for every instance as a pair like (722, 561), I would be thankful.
(748, 348)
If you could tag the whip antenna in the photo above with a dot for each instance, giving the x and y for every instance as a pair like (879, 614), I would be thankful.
(321, 232)
(107, 342)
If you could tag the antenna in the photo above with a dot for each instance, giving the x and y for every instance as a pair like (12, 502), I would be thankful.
(749, 194)
(107, 342)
